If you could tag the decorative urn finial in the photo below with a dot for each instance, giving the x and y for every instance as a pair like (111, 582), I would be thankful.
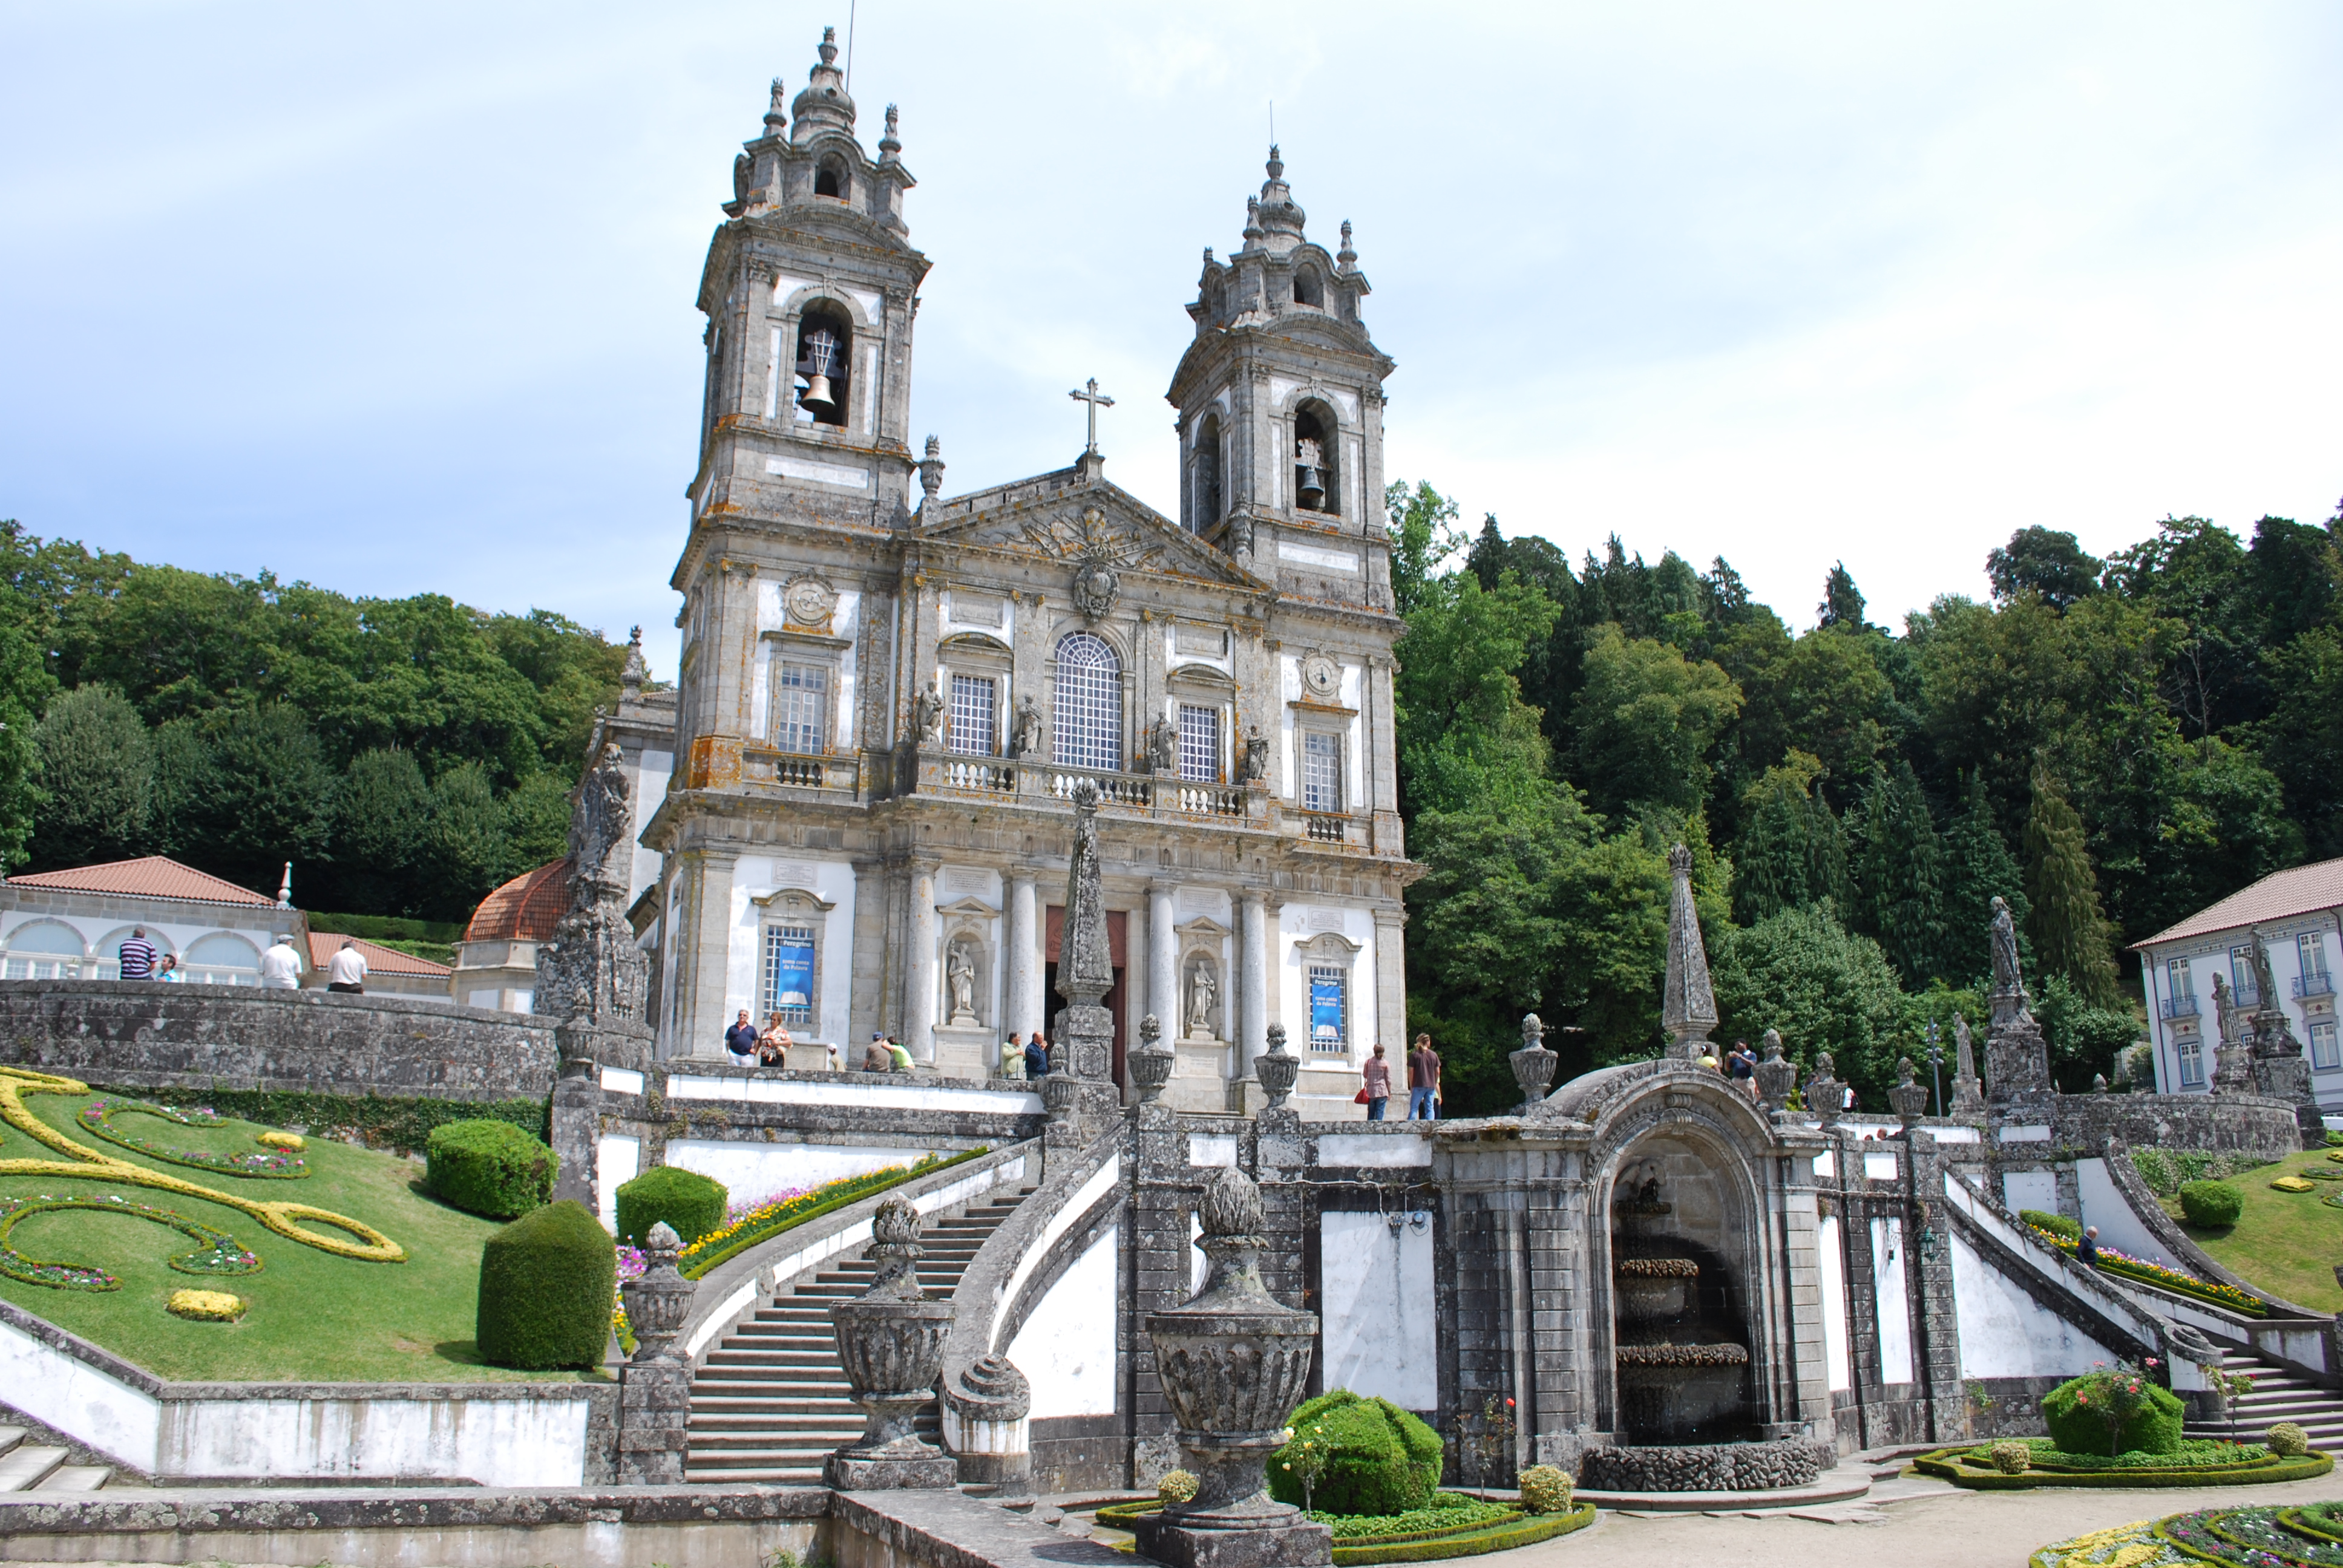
(1534, 1064)
(891, 1344)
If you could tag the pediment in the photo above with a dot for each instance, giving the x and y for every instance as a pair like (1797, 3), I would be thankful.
(1098, 523)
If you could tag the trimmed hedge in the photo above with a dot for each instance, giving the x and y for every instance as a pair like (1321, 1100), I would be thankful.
(378, 1121)
(691, 1204)
(2077, 1425)
(547, 1282)
(490, 1167)
(2211, 1205)
(2056, 1224)
(1384, 1460)
(1526, 1531)
(1953, 1464)
(763, 1224)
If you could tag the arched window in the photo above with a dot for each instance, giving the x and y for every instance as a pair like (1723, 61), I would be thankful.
(1087, 723)
(830, 179)
(1207, 473)
(1308, 290)
(221, 960)
(44, 950)
(825, 358)
(1314, 486)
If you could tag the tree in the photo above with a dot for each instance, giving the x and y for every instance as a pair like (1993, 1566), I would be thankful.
(1841, 603)
(25, 686)
(2049, 565)
(1824, 987)
(1464, 733)
(1791, 852)
(1423, 534)
(96, 772)
(382, 830)
(2069, 930)
(1978, 869)
(1899, 874)
(2082, 1039)
(1646, 718)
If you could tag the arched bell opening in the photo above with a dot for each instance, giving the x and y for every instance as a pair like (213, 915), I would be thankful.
(1209, 502)
(1314, 486)
(825, 358)
(1683, 1268)
(830, 178)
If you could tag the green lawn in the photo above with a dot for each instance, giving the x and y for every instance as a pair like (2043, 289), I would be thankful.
(314, 1316)
(2285, 1242)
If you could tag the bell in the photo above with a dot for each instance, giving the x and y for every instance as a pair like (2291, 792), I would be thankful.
(817, 395)
(1313, 489)
(820, 357)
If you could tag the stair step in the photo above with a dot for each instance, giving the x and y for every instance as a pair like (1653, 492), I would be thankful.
(26, 1465)
(76, 1478)
(10, 1436)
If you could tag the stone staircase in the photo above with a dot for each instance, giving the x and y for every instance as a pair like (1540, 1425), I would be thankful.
(2277, 1395)
(770, 1399)
(36, 1467)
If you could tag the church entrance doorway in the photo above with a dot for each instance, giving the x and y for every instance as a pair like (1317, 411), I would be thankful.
(1117, 925)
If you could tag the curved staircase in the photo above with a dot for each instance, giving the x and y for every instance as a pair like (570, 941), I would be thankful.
(2277, 1395)
(769, 1400)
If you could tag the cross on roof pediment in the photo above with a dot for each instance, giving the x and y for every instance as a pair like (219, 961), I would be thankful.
(1076, 523)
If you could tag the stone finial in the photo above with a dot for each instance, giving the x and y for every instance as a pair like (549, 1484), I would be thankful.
(1346, 257)
(830, 45)
(890, 145)
(931, 473)
(824, 104)
(1826, 1095)
(1688, 1005)
(633, 673)
(657, 1301)
(891, 1345)
(1277, 1068)
(1775, 1075)
(1909, 1097)
(777, 115)
(2098, 1084)
(1230, 1205)
(1534, 1064)
(1152, 1064)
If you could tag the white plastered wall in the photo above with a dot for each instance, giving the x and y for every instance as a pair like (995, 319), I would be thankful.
(1379, 1336)
(1830, 1257)
(2005, 1332)
(1894, 1302)
(1066, 1347)
(832, 881)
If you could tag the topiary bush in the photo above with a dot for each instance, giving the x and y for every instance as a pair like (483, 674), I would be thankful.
(1546, 1489)
(549, 1282)
(1385, 1460)
(2211, 1205)
(691, 1204)
(2056, 1224)
(488, 1167)
(2286, 1439)
(2011, 1456)
(2112, 1412)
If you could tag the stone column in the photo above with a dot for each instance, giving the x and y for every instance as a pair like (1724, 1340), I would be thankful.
(1252, 979)
(919, 970)
(1024, 1000)
(706, 963)
(1391, 983)
(1164, 998)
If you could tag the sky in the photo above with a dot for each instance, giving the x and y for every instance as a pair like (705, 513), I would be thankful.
(400, 298)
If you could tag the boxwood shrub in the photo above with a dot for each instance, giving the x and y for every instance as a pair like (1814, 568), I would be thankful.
(2211, 1205)
(2056, 1224)
(547, 1284)
(2075, 1413)
(490, 1167)
(692, 1204)
(1385, 1460)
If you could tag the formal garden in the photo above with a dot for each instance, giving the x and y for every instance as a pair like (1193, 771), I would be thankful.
(2307, 1536)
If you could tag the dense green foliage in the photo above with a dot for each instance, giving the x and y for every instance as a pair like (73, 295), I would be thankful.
(2211, 1204)
(486, 1166)
(548, 1284)
(407, 755)
(2056, 1224)
(691, 1204)
(2112, 1412)
(1383, 1460)
(378, 1121)
(2108, 747)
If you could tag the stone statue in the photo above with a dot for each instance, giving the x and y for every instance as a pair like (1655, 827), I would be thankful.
(1968, 1098)
(2006, 977)
(1163, 747)
(1253, 766)
(592, 975)
(2225, 1017)
(959, 974)
(2264, 982)
(928, 716)
(1026, 740)
(1202, 988)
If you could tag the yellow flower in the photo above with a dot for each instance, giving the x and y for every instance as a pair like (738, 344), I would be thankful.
(273, 1139)
(206, 1306)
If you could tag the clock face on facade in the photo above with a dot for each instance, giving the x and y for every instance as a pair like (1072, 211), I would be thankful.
(809, 601)
(1321, 677)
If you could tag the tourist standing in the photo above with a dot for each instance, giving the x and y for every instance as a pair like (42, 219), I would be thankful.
(1742, 1064)
(280, 966)
(1422, 1081)
(773, 1044)
(1037, 1058)
(741, 1040)
(1376, 1083)
(348, 971)
(138, 956)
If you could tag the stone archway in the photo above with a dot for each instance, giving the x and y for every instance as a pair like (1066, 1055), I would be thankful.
(1685, 1265)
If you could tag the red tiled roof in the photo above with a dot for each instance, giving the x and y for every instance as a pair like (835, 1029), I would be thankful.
(149, 876)
(324, 945)
(2276, 897)
(524, 909)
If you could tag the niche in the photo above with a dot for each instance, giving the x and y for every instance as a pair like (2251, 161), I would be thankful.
(825, 358)
(1314, 486)
(830, 178)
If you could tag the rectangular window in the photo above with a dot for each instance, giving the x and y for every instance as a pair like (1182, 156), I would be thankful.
(2241, 978)
(1330, 1023)
(2178, 978)
(973, 709)
(1321, 772)
(2323, 1051)
(801, 708)
(1200, 744)
(789, 974)
(2192, 1064)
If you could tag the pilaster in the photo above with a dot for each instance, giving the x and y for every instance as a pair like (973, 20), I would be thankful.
(919, 967)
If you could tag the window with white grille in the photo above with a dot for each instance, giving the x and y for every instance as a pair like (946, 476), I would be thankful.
(1321, 772)
(1330, 1008)
(788, 976)
(1086, 727)
(2192, 1063)
(2323, 1051)
(972, 709)
(801, 708)
(1200, 744)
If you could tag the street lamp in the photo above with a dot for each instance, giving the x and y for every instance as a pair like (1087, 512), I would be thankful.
(1936, 1061)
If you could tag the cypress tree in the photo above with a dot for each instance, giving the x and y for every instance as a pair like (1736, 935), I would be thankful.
(1770, 858)
(2069, 929)
(1899, 875)
(1978, 868)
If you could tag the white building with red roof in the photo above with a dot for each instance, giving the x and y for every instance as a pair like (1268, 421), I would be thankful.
(2298, 915)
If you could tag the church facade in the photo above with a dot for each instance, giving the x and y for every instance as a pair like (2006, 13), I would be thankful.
(886, 695)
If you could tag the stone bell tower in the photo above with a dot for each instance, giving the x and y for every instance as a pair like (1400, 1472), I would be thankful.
(810, 290)
(1281, 408)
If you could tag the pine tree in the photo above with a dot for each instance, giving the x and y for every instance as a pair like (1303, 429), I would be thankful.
(2069, 929)
(1841, 603)
(1791, 853)
(1899, 874)
(1978, 868)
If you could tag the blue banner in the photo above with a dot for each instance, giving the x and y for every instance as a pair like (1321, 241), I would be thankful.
(1326, 1013)
(793, 974)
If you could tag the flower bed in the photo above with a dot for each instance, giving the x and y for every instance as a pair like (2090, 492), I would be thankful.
(1655, 1269)
(219, 1252)
(2197, 1464)
(1682, 1356)
(2133, 1545)
(774, 1215)
(267, 1163)
(2127, 1267)
(1455, 1526)
(2262, 1537)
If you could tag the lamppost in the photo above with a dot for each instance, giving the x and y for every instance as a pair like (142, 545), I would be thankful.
(1935, 1063)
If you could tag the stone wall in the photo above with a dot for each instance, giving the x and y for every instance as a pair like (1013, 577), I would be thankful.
(148, 1034)
(2243, 1124)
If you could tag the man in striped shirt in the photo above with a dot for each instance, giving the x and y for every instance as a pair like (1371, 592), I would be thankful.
(138, 956)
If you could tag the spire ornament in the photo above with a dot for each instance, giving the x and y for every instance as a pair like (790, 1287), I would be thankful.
(1688, 1005)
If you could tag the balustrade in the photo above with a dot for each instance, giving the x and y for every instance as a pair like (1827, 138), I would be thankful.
(2314, 984)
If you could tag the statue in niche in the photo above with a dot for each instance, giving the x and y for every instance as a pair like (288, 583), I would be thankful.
(1253, 767)
(1025, 740)
(2007, 979)
(1163, 747)
(928, 716)
(960, 978)
(1204, 988)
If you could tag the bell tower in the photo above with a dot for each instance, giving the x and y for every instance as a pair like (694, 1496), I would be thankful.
(810, 288)
(1280, 407)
